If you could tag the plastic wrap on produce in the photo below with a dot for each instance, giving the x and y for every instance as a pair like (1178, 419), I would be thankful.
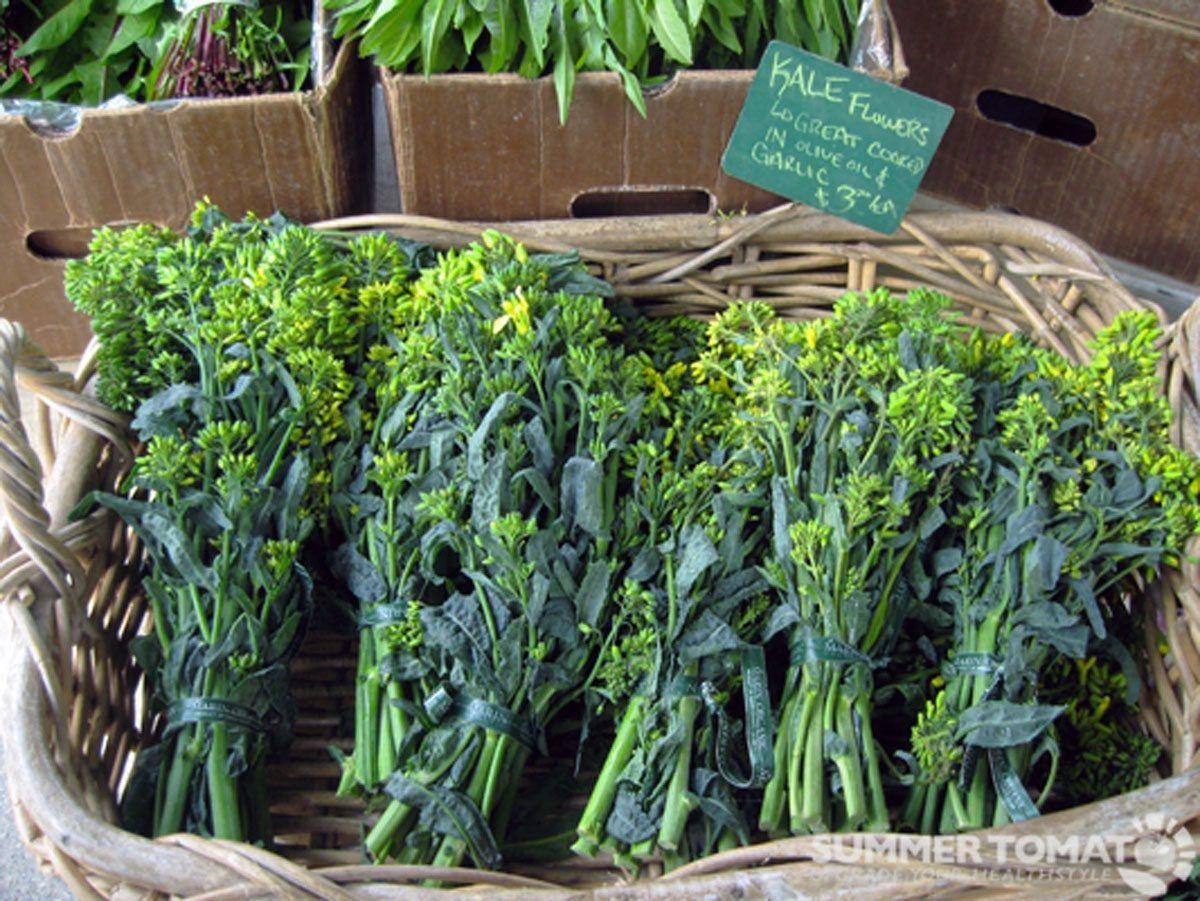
(876, 50)
(53, 118)
(322, 44)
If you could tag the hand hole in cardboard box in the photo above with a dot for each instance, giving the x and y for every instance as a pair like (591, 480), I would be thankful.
(595, 203)
(56, 244)
(662, 86)
(1036, 117)
(1072, 9)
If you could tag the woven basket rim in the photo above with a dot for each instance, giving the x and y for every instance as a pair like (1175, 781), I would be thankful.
(185, 865)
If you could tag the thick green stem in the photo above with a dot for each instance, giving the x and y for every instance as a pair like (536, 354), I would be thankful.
(257, 819)
(511, 784)
(914, 803)
(770, 817)
(811, 814)
(386, 753)
(932, 808)
(179, 777)
(452, 850)
(849, 765)
(595, 814)
(1000, 815)
(962, 821)
(222, 790)
(497, 769)
(642, 851)
(877, 812)
(806, 800)
(397, 719)
(679, 803)
(368, 715)
(395, 821)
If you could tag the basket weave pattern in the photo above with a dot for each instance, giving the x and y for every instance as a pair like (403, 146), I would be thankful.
(76, 706)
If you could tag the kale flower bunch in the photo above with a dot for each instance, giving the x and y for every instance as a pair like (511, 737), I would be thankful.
(244, 407)
(683, 643)
(859, 422)
(478, 536)
(1073, 489)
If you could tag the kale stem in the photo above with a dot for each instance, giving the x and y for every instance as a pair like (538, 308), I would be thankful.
(277, 461)
(179, 778)
(770, 817)
(394, 821)
(389, 737)
(914, 803)
(160, 622)
(399, 722)
(392, 563)
(511, 781)
(386, 761)
(672, 602)
(486, 609)
(452, 849)
(849, 764)
(595, 814)
(369, 680)
(496, 771)
(813, 814)
(642, 851)
(930, 812)
(789, 452)
(678, 803)
(222, 792)
(1000, 815)
(806, 768)
(877, 812)
(201, 620)
(796, 785)
(977, 797)
(956, 805)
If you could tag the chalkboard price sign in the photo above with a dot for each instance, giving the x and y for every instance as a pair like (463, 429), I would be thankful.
(835, 139)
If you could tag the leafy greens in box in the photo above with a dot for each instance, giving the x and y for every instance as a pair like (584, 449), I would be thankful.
(86, 51)
(641, 40)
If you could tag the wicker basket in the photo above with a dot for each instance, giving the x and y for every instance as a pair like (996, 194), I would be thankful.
(76, 705)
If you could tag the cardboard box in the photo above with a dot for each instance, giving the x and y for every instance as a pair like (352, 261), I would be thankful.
(1131, 70)
(473, 146)
(304, 154)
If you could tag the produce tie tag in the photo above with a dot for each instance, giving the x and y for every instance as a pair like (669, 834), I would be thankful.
(215, 710)
(760, 724)
(835, 139)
